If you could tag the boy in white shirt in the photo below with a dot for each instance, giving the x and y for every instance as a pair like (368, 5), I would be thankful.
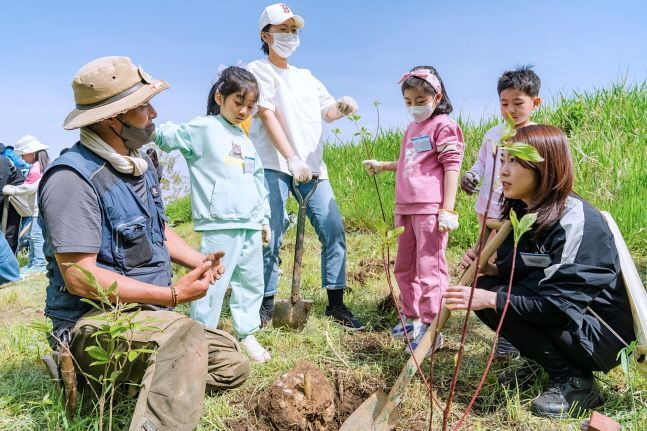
(287, 134)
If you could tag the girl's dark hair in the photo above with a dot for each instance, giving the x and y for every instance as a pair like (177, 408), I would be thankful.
(445, 105)
(264, 47)
(232, 80)
(43, 159)
(553, 176)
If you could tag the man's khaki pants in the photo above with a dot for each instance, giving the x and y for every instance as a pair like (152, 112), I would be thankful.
(189, 359)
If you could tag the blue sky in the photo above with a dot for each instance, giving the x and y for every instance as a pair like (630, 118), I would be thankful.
(356, 48)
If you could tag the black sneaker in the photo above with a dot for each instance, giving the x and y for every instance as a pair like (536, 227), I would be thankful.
(566, 397)
(267, 313)
(342, 315)
(505, 350)
(522, 376)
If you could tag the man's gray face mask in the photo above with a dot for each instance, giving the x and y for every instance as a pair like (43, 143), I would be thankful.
(134, 138)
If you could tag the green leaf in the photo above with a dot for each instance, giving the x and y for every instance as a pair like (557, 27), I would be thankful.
(520, 227)
(624, 362)
(381, 227)
(92, 303)
(132, 355)
(523, 151)
(514, 220)
(394, 233)
(508, 129)
(112, 290)
(97, 352)
(118, 330)
(527, 221)
(144, 350)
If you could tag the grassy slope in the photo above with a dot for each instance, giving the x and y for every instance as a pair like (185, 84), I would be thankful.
(607, 132)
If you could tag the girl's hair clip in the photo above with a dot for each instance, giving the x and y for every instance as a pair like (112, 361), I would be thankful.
(424, 74)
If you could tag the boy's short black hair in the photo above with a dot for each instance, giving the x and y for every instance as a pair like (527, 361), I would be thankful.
(264, 47)
(523, 78)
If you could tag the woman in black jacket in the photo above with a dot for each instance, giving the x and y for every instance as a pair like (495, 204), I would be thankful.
(568, 310)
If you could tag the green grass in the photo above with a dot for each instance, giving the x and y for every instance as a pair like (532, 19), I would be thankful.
(364, 362)
(608, 133)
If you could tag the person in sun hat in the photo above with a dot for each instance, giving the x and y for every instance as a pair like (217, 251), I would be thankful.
(286, 130)
(23, 199)
(101, 210)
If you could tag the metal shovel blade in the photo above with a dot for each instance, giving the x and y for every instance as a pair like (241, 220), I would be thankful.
(362, 419)
(292, 316)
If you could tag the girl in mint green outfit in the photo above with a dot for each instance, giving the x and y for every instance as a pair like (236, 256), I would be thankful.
(229, 200)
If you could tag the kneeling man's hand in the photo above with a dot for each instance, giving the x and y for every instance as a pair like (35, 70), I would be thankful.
(217, 268)
(195, 284)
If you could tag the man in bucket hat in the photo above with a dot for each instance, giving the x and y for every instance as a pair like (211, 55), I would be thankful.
(101, 210)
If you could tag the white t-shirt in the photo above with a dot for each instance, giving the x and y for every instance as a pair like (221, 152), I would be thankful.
(300, 102)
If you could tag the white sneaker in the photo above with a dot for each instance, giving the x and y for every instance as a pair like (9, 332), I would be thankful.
(413, 327)
(254, 350)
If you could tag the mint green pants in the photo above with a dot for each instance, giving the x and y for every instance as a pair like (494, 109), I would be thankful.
(243, 263)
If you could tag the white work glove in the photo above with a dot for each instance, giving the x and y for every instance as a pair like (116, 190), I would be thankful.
(9, 190)
(470, 182)
(299, 170)
(346, 105)
(447, 220)
(266, 234)
(373, 167)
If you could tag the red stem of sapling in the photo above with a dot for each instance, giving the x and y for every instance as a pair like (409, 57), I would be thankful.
(461, 349)
(494, 342)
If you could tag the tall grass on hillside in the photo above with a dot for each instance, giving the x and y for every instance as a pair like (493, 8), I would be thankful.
(608, 136)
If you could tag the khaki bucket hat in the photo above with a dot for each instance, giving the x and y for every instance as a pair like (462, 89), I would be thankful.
(107, 87)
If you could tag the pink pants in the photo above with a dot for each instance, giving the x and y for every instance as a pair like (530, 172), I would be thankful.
(420, 265)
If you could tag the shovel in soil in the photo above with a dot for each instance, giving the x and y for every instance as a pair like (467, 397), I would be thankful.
(294, 312)
(379, 411)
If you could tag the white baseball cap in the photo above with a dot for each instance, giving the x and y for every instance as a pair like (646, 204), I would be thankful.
(28, 144)
(276, 14)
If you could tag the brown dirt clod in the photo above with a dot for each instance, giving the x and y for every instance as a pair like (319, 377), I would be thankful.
(286, 407)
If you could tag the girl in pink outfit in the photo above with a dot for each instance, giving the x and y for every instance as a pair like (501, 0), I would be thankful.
(425, 192)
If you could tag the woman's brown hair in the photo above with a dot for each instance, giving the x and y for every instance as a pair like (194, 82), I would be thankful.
(553, 176)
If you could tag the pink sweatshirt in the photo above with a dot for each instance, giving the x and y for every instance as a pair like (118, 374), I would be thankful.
(34, 174)
(428, 150)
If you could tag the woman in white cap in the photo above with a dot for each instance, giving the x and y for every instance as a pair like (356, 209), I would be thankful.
(287, 134)
(23, 198)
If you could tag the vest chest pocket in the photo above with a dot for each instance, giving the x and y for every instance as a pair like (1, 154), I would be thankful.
(132, 244)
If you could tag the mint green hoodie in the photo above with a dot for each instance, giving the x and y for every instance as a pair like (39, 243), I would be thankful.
(227, 179)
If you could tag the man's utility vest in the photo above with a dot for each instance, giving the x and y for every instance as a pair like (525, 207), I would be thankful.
(132, 232)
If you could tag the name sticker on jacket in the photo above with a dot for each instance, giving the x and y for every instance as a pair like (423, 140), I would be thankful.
(421, 143)
(248, 167)
(536, 260)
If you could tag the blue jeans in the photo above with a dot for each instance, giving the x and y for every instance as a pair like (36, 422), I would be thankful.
(36, 243)
(323, 213)
(8, 264)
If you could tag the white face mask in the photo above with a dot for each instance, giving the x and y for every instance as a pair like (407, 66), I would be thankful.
(285, 44)
(421, 113)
